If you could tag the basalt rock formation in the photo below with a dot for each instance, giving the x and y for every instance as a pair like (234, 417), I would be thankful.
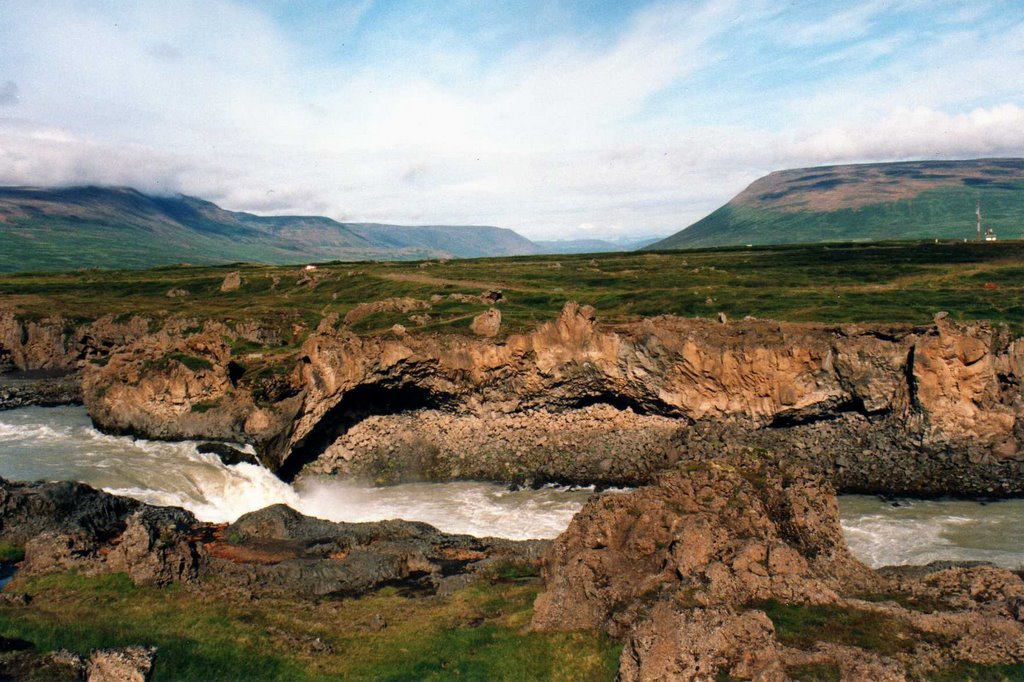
(923, 410)
(926, 410)
(70, 526)
(738, 568)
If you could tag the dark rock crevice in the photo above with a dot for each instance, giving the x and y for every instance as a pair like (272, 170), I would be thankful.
(356, 405)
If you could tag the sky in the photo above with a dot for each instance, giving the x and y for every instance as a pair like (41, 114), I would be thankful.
(557, 119)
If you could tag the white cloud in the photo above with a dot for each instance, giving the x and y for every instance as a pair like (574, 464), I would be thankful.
(920, 132)
(556, 136)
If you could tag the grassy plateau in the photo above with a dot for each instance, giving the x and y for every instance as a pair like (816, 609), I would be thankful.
(897, 282)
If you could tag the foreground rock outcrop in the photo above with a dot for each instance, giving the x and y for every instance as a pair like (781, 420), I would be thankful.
(739, 568)
(70, 526)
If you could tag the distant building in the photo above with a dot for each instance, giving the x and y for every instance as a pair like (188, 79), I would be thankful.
(310, 268)
(990, 235)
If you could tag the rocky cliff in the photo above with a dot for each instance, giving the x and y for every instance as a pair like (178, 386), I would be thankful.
(929, 410)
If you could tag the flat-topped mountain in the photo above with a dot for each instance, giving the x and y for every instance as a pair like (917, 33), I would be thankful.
(908, 200)
(82, 227)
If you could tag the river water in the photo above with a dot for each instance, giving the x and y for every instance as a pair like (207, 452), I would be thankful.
(60, 443)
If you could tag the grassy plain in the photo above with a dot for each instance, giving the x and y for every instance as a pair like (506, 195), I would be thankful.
(477, 633)
(898, 282)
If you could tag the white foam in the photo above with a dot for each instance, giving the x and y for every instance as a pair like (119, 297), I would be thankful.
(60, 444)
(918, 532)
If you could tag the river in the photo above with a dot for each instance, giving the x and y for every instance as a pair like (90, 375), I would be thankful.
(60, 443)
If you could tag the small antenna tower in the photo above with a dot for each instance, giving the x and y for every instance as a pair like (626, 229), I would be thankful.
(978, 214)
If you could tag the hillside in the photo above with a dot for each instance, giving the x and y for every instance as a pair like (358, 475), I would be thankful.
(86, 227)
(909, 200)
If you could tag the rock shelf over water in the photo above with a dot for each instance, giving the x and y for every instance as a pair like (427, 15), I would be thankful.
(927, 410)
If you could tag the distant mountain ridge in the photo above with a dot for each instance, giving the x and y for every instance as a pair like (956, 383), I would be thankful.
(119, 227)
(902, 200)
(594, 245)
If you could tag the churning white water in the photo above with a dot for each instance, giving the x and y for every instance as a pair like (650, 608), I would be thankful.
(60, 444)
(920, 531)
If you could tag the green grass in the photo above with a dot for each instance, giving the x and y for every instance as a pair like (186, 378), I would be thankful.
(941, 213)
(475, 634)
(802, 626)
(205, 405)
(193, 363)
(876, 282)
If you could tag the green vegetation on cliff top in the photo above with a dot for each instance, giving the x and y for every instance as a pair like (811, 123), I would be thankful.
(876, 282)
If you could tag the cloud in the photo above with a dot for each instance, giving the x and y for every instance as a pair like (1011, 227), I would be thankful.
(920, 132)
(639, 126)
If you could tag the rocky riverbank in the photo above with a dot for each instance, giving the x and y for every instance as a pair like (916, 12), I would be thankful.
(39, 387)
(71, 527)
(732, 568)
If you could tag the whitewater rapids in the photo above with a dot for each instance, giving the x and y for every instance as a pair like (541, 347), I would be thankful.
(61, 444)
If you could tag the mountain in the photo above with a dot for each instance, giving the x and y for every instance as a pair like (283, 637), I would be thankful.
(84, 227)
(908, 200)
(594, 245)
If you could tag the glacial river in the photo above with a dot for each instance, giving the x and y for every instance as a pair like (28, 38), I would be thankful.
(60, 443)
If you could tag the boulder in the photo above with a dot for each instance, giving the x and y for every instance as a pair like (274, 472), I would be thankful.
(487, 323)
(691, 572)
(726, 533)
(232, 282)
(157, 548)
(228, 455)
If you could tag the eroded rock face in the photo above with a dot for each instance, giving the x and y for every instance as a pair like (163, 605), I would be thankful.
(952, 391)
(690, 573)
(727, 533)
(53, 343)
(594, 443)
(168, 386)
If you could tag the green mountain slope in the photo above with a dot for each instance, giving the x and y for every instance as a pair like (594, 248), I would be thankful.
(86, 227)
(911, 200)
